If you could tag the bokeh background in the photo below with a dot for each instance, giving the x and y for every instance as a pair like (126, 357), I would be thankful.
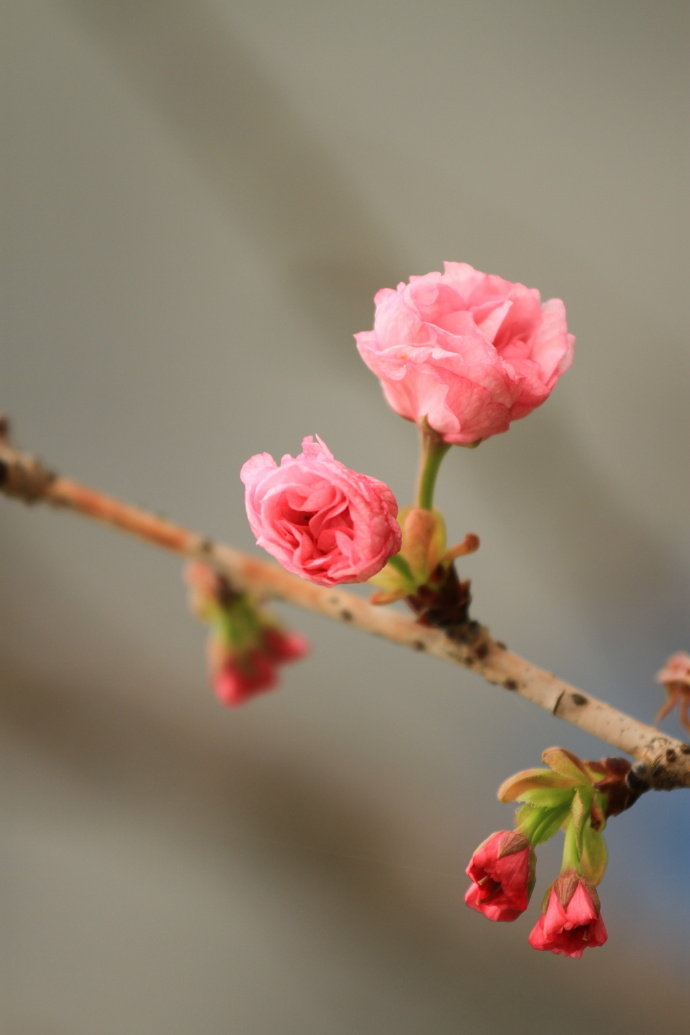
(202, 199)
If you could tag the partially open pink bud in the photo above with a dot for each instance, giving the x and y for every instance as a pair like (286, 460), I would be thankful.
(318, 518)
(675, 678)
(502, 872)
(572, 919)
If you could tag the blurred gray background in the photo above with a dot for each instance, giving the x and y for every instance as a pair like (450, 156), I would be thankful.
(202, 199)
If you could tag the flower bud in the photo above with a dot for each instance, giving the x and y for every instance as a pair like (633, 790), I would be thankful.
(502, 873)
(318, 518)
(245, 644)
(571, 921)
(243, 677)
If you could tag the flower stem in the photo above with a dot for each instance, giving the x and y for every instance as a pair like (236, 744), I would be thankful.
(432, 451)
(398, 562)
(571, 855)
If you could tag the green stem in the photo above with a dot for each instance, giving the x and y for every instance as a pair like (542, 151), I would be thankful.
(571, 855)
(433, 450)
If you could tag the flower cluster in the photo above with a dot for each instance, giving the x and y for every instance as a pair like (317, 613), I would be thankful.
(245, 645)
(571, 795)
(461, 353)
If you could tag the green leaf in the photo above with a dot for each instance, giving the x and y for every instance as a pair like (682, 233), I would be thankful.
(540, 824)
(579, 812)
(565, 763)
(548, 797)
(514, 787)
(594, 855)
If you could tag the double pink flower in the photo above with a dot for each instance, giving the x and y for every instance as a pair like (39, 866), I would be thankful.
(466, 352)
(318, 518)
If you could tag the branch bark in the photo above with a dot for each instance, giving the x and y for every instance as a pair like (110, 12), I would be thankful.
(664, 762)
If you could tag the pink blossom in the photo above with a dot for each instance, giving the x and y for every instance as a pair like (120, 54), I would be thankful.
(465, 351)
(572, 920)
(245, 644)
(675, 677)
(281, 646)
(502, 872)
(244, 676)
(238, 675)
(318, 518)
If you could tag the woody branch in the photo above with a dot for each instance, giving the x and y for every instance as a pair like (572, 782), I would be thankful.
(665, 761)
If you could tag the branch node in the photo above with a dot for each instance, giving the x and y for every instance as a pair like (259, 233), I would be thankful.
(22, 475)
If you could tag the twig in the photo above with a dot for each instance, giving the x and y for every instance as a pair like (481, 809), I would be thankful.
(664, 761)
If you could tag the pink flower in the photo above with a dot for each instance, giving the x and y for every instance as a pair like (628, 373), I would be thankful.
(318, 518)
(281, 646)
(675, 677)
(243, 677)
(502, 871)
(466, 351)
(572, 921)
(245, 644)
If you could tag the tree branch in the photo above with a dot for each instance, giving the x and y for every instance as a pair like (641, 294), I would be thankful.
(664, 761)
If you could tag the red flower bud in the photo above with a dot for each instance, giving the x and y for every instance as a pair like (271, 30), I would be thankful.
(283, 646)
(502, 871)
(572, 920)
(245, 645)
(243, 677)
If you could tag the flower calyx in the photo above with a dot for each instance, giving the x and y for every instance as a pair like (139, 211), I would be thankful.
(424, 575)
